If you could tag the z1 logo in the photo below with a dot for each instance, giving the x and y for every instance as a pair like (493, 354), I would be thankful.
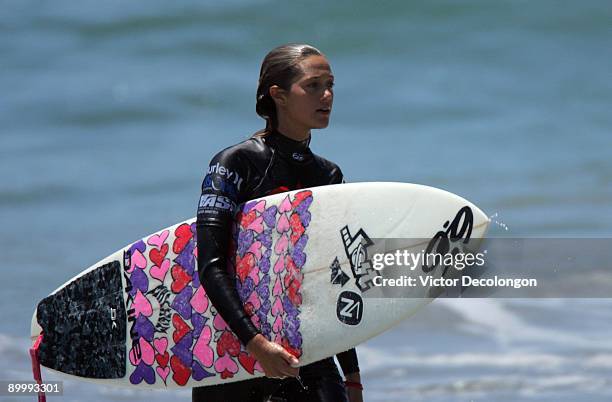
(349, 308)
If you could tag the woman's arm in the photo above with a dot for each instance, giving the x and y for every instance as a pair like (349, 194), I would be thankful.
(350, 367)
(220, 195)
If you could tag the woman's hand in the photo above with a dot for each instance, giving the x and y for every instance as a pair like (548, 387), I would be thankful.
(274, 359)
(354, 394)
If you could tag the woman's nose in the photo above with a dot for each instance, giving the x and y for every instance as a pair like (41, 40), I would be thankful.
(328, 93)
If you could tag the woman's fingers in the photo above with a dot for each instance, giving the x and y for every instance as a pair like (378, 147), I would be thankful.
(292, 371)
(290, 359)
(274, 359)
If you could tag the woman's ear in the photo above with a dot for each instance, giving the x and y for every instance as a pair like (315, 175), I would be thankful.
(279, 95)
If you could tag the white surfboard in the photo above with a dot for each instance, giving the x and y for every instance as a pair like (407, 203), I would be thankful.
(303, 267)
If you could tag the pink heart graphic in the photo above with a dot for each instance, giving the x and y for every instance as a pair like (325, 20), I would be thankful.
(199, 301)
(279, 265)
(138, 261)
(158, 239)
(277, 307)
(254, 274)
(258, 366)
(147, 354)
(163, 372)
(278, 325)
(256, 225)
(255, 249)
(254, 300)
(160, 272)
(160, 345)
(226, 363)
(220, 324)
(283, 224)
(281, 244)
(278, 288)
(142, 305)
(260, 206)
(285, 205)
(202, 351)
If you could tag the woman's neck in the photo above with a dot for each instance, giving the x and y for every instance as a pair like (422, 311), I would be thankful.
(293, 131)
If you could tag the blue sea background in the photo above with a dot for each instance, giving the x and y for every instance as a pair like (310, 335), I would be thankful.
(110, 112)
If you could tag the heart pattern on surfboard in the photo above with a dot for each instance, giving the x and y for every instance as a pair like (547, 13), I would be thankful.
(193, 342)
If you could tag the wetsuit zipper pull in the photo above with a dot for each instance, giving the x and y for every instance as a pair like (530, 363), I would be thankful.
(301, 383)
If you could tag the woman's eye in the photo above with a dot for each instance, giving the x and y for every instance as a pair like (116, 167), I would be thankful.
(316, 85)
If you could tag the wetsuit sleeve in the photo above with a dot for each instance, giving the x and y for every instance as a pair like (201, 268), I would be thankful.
(348, 361)
(216, 208)
(337, 176)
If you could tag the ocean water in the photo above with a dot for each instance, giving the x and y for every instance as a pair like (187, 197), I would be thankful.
(111, 111)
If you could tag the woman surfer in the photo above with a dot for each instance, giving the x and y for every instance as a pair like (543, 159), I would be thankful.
(295, 95)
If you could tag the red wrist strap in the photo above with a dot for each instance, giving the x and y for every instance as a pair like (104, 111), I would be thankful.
(36, 367)
(353, 384)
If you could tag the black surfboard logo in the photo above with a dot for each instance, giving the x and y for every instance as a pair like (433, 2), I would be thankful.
(349, 308)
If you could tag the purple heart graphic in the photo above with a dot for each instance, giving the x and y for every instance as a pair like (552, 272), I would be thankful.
(244, 289)
(301, 243)
(290, 309)
(263, 289)
(186, 259)
(304, 205)
(295, 339)
(269, 216)
(144, 328)
(139, 245)
(181, 303)
(143, 372)
(139, 281)
(265, 238)
(264, 263)
(198, 321)
(266, 329)
(305, 218)
(195, 280)
(182, 350)
(245, 239)
(299, 258)
(266, 305)
(248, 206)
(199, 373)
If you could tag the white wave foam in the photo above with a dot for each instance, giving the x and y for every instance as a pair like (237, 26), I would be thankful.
(603, 360)
(375, 358)
(489, 316)
(489, 387)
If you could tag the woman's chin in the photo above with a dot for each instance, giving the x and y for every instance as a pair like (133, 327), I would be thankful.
(320, 123)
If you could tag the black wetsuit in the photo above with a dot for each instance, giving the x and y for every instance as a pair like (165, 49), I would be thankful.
(258, 167)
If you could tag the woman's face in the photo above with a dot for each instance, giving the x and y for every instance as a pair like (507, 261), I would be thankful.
(308, 102)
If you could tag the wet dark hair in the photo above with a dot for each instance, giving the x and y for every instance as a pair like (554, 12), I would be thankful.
(279, 67)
